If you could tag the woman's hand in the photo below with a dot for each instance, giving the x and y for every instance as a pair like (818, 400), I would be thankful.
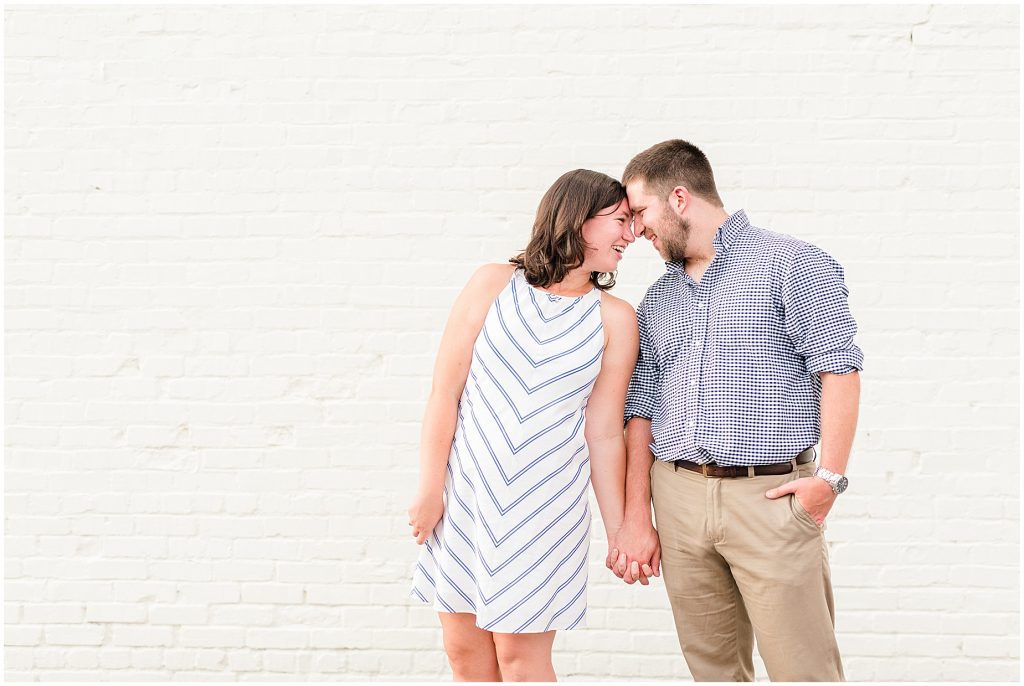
(635, 552)
(424, 514)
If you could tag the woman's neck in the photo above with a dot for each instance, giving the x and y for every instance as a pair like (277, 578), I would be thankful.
(576, 282)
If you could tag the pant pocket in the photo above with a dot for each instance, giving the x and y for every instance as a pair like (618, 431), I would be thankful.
(794, 504)
(800, 513)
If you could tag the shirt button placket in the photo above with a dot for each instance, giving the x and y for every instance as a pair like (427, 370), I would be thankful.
(698, 326)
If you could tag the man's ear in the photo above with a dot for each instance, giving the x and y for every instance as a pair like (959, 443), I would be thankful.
(679, 199)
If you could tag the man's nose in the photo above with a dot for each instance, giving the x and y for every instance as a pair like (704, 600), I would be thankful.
(638, 229)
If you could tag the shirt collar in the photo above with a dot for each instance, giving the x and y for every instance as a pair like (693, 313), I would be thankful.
(727, 233)
(732, 229)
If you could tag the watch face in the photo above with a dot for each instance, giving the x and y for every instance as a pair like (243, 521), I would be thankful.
(842, 484)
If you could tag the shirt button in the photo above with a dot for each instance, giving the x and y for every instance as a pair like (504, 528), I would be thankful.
(693, 382)
(700, 306)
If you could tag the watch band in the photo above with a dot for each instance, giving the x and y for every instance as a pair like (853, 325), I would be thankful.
(837, 482)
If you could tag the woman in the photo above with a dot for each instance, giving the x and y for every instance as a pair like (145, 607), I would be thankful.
(524, 412)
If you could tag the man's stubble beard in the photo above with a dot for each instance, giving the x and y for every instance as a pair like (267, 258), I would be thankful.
(674, 243)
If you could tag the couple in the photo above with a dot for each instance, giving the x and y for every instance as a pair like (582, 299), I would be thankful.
(739, 359)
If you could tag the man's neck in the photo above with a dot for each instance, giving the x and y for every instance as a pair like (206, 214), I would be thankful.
(700, 248)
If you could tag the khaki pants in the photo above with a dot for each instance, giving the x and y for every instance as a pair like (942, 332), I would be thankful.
(739, 566)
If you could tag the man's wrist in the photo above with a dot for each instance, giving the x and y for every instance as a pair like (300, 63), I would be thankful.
(639, 515)
(837, 482)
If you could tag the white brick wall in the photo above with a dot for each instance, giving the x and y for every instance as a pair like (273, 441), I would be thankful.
(233, 234)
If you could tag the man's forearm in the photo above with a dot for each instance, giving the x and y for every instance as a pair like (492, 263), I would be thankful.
(638, 469)
(840, 402)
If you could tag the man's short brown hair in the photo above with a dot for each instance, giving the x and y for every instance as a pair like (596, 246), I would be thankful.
(673, 163)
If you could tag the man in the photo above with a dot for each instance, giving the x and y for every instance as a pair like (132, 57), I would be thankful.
(746, 361)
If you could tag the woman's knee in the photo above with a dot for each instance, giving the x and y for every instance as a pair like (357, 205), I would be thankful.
(470, 651)
(523, 657)
(511, 653)
(467, 653)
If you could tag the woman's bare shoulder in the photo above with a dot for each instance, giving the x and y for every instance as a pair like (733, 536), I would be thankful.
(617, 308)
(487, 282)
(494, 272)
(619, 320)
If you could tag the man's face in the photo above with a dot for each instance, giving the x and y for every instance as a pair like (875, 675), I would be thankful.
(655, 220)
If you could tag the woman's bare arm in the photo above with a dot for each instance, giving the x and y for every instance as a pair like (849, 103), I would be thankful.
(451, 368)
(604, 412)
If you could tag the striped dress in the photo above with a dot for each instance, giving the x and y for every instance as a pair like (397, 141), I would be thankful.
(512, 544)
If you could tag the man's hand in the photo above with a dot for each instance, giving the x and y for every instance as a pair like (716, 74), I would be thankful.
(635, 553)
(814, 495)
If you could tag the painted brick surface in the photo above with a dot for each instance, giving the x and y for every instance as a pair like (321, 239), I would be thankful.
(233, 234)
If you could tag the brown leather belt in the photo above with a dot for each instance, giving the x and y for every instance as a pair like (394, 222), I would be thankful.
(720, 472)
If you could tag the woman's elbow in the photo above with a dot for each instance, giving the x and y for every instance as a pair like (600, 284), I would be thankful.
(445, 394)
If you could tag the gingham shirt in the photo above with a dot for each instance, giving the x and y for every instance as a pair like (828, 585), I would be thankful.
(727, 370)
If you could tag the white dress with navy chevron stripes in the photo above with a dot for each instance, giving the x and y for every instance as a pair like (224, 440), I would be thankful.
(512, 544)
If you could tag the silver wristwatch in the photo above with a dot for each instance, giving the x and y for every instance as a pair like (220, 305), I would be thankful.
(838, 482)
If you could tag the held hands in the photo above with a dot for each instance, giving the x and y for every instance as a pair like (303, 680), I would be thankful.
(813, 494)
(424, 514)
(634, 553)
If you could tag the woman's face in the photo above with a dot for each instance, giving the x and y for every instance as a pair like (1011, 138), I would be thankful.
(607, 235)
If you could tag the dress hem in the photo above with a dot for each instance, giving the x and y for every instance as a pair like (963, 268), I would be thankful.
(580, 623)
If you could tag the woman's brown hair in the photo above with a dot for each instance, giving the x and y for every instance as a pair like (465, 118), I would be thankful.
(556, 244)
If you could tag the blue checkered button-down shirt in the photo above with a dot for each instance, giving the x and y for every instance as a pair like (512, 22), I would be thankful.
(728, 366)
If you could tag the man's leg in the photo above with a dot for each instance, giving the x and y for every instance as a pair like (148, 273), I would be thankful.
(779, 559)
(711, 621)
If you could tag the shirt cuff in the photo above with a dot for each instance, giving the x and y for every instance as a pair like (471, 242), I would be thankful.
(637, 408)
(836, 361)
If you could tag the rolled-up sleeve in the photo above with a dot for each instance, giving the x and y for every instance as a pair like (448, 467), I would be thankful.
(817, 316)
(641, 396)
